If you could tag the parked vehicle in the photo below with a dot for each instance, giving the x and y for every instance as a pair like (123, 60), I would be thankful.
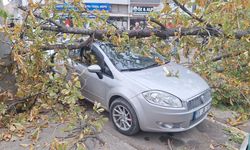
(137, 92)
(246, 143)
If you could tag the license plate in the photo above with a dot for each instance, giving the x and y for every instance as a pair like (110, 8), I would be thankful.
(200, 112)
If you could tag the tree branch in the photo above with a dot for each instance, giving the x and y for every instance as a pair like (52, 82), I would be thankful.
(58, 24)
(217, 58)
(240, 34)
(163, 27)
(188, 12)
(69, 47)
(13, 103)
(40, 17)
(99, 34)
(161, 33)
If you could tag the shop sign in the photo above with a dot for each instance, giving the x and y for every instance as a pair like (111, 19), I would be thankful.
(67, 6)
(98, 6)
(89, 7)
(141, 10)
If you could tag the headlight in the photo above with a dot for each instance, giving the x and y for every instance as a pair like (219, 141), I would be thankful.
(162, 99)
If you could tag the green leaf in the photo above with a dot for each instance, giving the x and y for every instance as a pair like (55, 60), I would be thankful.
(65, 91)
(78, 84)
(3, 13)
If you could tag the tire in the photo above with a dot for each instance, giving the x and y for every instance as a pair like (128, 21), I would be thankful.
(120, 108)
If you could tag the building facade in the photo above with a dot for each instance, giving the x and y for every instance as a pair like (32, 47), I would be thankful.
(118, 11)
(140, 8)
(10, 6)
(123, 13)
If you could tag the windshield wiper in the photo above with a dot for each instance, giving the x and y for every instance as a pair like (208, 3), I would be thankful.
(131, 69)
(167, 62)
(137, 69)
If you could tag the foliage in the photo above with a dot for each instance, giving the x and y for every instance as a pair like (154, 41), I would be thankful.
(40, 90)
(228, 76)
(221, 59)
(234, 136)
(3, 14)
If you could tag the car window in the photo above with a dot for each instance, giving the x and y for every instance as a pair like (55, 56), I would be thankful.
(88, 57)
(75, 55)
(131, 61)
(84, 55)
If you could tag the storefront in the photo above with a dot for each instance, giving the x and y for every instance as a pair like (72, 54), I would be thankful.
(139, 9)
(118, 12)
(139, 13)
(123, 13)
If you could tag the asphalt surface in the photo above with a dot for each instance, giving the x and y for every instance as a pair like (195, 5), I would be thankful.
(205, 136)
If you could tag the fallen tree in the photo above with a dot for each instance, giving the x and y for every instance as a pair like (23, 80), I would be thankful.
(217, 34)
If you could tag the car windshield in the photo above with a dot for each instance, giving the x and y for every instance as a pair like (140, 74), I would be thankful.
(131, 61)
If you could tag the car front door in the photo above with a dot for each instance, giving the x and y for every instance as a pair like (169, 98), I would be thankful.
(93, 88)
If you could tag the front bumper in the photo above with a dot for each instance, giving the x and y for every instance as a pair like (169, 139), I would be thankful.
(162, 119)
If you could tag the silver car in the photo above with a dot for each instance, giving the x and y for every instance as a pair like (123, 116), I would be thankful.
(137, 92)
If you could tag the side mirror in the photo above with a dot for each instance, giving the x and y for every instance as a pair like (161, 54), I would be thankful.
(96, 69)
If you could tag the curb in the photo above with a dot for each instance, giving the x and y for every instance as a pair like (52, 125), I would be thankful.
(227, 126)
(247, 136)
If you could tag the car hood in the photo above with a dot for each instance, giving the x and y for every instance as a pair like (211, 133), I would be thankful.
(185, 86)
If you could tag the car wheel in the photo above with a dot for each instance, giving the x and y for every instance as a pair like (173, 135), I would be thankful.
(124, 117)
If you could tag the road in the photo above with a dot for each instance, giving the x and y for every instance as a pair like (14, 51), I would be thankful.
(205, 136)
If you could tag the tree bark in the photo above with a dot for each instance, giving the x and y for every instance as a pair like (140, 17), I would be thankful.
(99, 34)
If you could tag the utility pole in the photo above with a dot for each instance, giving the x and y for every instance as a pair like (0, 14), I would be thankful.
(129, 12)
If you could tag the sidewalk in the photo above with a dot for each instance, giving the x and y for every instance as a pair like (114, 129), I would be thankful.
(223, 115)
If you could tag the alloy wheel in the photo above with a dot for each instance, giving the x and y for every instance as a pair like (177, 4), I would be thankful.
(122, 117)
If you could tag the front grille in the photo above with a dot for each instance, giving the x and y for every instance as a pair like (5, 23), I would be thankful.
(199, 100)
